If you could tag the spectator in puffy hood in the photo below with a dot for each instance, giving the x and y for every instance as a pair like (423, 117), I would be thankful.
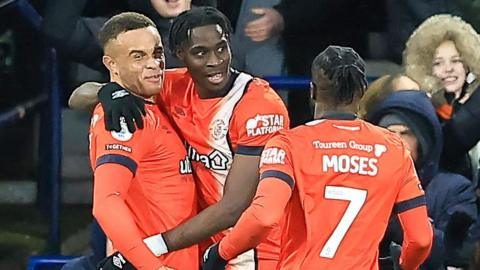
(442, 56)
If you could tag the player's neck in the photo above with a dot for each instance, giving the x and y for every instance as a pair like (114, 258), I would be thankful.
(323, 109)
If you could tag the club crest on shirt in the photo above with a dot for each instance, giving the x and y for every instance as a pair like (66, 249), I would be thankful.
(179, 111)
(263, 124)
(218, 129)
(123, 135)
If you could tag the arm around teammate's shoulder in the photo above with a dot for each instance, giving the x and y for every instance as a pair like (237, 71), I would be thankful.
(85, 97)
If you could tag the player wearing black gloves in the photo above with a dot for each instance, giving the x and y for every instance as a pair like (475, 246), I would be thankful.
(212, 259)
(114, 262)
(117, 102)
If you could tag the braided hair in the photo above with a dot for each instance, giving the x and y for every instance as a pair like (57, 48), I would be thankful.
(182, 25)
(344, 69)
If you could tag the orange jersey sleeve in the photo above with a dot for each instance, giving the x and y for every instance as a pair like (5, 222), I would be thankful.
(121, 147)
(115, 157)
(410, 205)
(256, 222)
(411, 194)
(109, 208)
(259, 114)
(276, 160)
(418, 237)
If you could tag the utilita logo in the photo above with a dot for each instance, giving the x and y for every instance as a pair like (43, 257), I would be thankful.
(264, 124)
(216, 160)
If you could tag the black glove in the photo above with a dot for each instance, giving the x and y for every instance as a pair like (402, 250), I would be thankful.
(395, 252)
(117, 102)
(457, 228)
(212, 259)
(115, 261)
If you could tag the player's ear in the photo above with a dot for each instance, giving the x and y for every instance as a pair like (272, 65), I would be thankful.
(110, 64)
(180, 54)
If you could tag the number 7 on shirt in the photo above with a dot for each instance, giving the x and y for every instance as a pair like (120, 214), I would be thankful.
(357, 198)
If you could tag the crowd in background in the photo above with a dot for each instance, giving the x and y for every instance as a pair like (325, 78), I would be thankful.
(432, 102)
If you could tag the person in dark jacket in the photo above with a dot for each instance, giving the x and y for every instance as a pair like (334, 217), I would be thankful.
(76, 36)
(406, 15)
(307, 27)
(451, 199)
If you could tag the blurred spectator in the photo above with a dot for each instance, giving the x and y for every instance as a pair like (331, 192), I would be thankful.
(379, 89)
(442, 56)
(261, 55)
(308, 27)
(451, 199)
(20, 80)
(75, 36)
(162, 13)
(403, 16)
(470, 10)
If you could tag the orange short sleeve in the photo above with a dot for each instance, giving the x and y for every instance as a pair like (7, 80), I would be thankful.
(411, 194)
(276, 160)
(121, 147)
(257, 117)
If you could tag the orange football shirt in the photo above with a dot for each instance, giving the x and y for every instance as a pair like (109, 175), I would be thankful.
(216, 129)
(347, 176)
(160, 193)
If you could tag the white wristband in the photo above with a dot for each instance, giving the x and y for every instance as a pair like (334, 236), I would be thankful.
(156, 244)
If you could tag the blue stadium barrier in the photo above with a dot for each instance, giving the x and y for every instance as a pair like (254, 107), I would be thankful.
(303, 83)
(282, 82)
(47, 262)
(48, 182)
(21, 110)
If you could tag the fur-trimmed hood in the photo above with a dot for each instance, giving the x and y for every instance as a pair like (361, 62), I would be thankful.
(421, 46)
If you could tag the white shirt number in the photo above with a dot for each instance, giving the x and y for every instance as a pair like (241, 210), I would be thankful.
(357, 198)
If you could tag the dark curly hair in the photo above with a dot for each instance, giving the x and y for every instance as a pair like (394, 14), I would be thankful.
(196, 17)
